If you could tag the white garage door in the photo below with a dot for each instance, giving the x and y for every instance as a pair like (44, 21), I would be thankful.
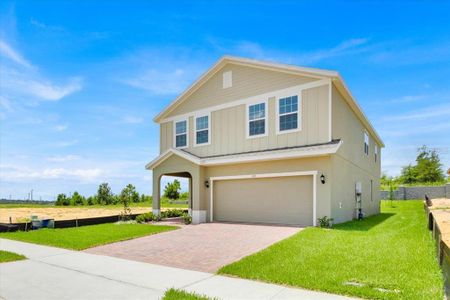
(276, 200)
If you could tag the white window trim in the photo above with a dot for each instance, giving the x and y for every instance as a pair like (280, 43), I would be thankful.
(209, 129)
(247, 120)
(175, 133)
(264, 175)
(368, 142)
(299, 112)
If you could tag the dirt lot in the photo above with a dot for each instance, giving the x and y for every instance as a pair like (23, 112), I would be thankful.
(63, 213)
(441, 213)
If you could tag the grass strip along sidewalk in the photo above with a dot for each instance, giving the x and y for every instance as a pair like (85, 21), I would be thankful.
(79, 238)
(6, 256)
(387, 256)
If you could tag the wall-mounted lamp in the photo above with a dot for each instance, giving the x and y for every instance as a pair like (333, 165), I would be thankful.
(322, 178)
(207, 183)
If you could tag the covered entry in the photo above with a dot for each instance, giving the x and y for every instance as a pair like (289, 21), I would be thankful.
(287, 198)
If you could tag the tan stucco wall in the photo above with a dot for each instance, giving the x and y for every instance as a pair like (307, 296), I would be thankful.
(228, 127)
(247, 82)
(350, 164)
(176, 164)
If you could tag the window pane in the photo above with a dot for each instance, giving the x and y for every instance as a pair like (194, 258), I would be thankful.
(257, 111)
(202, 123)
(257, 127)
(289, 104)
(202, 137)
(180, 127)
(288, 122)
(181, 140)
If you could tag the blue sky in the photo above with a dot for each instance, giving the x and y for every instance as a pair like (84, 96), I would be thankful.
(80, 81)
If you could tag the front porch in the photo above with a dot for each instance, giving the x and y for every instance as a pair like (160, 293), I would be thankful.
(177, 166)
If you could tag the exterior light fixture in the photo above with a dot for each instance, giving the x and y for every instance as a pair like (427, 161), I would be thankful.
(207, 183)
(322, 178)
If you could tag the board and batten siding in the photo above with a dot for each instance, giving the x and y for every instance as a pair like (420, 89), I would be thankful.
(246, 82)
(228, 127)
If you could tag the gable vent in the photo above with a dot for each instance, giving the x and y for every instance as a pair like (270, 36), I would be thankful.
(227, 79)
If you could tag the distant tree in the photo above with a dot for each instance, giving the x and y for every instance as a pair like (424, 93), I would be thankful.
(77, 199)
(171, 190)
(62, 200)
(146, 198)
(409, 174)
(127, 196)
(92, 200)
(104, 194)
(429, 167)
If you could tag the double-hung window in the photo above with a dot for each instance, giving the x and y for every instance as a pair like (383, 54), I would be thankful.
(257, 114)
(202, 130)
(366, 143)
(376, 153)
(181, 134)
(288, 114)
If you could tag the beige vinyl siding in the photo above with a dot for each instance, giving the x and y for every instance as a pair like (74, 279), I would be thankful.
(350, 164)
(228, 127)
(346, 126)
(247, 82)
(278, 200)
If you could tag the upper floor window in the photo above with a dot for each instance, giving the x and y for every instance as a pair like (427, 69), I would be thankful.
(376, 153)
(181, 134)
(257, 115)
(288, 114)
(202, 130)
(366, 143)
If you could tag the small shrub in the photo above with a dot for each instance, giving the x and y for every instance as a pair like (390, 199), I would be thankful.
(325, 222)
(146, 217)
(187, 219)
(172, 213)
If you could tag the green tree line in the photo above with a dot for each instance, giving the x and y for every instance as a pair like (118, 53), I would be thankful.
(427, 170)
(104, 196)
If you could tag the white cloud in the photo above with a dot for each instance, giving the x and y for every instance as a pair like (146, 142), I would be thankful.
(12, 173)
(159, 82)
(67, 143)
(346, 47)
(8, 52)
(61, 127)
(426, 113)
(132, 119)
(64, 158)
(25, 82)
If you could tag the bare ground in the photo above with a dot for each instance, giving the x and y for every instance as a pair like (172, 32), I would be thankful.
(63, 213)
(441, 213)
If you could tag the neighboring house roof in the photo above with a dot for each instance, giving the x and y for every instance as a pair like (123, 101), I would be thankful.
(251, 156)
(309, 72)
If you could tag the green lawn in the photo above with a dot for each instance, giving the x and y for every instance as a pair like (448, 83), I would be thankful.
(388, 256)
(6, 256)
(79, 238)
(174, 294)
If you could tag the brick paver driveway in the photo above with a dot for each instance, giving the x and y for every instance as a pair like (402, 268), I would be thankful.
(204, 247)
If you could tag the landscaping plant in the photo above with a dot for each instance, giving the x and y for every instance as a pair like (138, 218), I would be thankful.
(325, 222)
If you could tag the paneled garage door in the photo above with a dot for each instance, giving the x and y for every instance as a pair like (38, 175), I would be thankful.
(276, 200)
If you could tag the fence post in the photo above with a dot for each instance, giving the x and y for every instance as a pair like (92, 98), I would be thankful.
(447, 191)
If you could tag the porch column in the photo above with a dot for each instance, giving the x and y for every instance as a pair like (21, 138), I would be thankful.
(156, 203)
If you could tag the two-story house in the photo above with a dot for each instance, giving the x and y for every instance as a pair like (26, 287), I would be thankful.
(269, 143)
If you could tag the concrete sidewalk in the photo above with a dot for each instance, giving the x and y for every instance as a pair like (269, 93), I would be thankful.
(54, 273)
